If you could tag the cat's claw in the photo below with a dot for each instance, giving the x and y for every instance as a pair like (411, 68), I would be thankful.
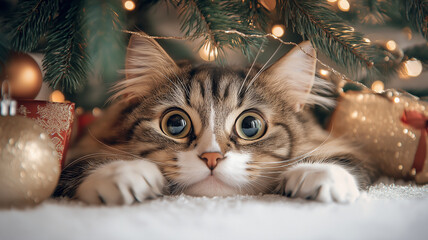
(321, 182)
(122, 182)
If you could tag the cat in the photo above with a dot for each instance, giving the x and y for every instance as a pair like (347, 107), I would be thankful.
(213, 131)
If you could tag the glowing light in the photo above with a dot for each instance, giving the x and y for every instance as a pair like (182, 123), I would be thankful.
(208, 52)
(366, 40)
(278, 30)
(324, 72)
(391, 45)
(378, 86)
(129, 5)
(343, 5)
(96, 112)
(332, 1)
(412, 68)
(57, 96)
(396, 99)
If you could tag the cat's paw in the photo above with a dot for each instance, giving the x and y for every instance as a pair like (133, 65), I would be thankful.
(321, 182)
(122, 182)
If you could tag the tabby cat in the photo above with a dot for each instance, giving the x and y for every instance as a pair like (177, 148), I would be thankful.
(213, 131)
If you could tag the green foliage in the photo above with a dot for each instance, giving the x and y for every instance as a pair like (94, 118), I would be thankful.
(30, 22)
(106, 43)
(4, 50)
(416, 12)
(328, 32)
(66, 61)
(210, 18)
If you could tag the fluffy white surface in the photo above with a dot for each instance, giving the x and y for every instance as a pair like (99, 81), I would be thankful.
(386, 211)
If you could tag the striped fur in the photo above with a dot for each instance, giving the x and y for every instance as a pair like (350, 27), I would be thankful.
(213, 97)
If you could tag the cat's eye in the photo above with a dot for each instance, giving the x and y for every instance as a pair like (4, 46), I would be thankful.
(175, 123)
(250, 126)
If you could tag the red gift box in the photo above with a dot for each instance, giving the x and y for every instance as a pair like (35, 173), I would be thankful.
(55, 118)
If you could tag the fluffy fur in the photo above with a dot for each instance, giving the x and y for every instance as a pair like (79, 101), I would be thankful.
(126, 156)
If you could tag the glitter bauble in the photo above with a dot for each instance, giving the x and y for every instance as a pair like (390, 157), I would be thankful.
(23, 74)
(29, 167)
(375, 123)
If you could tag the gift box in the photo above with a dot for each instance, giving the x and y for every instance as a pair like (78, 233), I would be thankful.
(390, 127)
(55, 118)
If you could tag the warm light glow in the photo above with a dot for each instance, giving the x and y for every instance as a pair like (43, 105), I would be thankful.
(278, 30)
(412, 67)
(79, 111)
(378, 86)
(96, 112)
(366, 40)
(57, 96)
(391, 45)
(343, 5)
(208, 52)
(396, 99)
(324, 72)
(332, 1)
(129, 5)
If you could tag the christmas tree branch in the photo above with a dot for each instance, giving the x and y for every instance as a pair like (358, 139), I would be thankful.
(66, 61)
(416, 12)
(106, 44)
(328, 32)
(207, 18)
(30, 22)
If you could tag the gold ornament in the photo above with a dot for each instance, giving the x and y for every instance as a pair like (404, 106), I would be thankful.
(29, 167)
(24, 75)
(377, 122)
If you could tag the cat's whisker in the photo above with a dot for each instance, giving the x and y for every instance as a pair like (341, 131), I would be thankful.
(249, 71)
(262, 69)
(305, 155)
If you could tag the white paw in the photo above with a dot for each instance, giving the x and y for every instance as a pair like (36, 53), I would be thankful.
(322, 182)
(122, 182)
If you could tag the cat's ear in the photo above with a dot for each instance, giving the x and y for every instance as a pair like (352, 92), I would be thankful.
(295, 73)
(147, 65)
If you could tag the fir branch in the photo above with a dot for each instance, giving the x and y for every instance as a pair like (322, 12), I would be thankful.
(416, 12)
(4, 51)
(328, 32)
(65, 61)
(30, 22)
(209, 19)
(103, 22)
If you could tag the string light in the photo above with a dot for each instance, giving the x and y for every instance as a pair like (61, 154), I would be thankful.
(96, 112)
(208, 52)
(378, 86)
(332, 1)
(412, 68)
(366, 40)
(129, 5)
(278, 30)
(343, 5)
(57, 96)
(391, 45)
(324, 72)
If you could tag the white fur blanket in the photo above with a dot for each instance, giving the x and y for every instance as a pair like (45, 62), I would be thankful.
(386, 211)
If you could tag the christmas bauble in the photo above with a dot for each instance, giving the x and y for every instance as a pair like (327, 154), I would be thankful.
(29, 167)
(24, 75)
(390, 127)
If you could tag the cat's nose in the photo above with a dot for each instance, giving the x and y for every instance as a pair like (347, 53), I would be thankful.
(211, 159)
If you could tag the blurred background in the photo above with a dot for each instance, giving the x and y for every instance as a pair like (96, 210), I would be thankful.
(382, 27)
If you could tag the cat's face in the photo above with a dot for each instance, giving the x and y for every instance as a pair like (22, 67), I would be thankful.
(211, 130)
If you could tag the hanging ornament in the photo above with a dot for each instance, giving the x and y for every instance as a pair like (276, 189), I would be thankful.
(24, 75)
(29, 167)
(390, 127)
